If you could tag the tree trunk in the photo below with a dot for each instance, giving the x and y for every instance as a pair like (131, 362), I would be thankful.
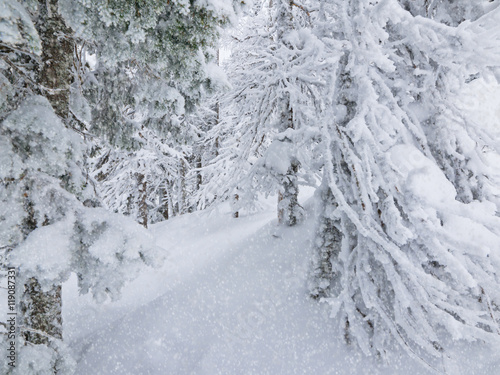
(327, 250)
(199, 177)
(236, 213)
(41, 311)
(164, 203)
(54, 74)
(143, 206)
(182, 189)
(289, 210)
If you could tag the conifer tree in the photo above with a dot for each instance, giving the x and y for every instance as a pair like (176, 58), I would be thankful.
(403, 178)
(267, 128)
(48, 227)
(143, 98)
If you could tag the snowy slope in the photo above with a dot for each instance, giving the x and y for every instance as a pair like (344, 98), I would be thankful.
(231, 299)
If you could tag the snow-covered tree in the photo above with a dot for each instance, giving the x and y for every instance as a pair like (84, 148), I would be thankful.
(149, 184)
(268, 123)
(142, 98)
(407, 244)
(48, 229)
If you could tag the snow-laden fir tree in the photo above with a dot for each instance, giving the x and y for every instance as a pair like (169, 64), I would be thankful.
(407, 244)
(142, 96)
(46, 230)
(267, 129)
(150, 184)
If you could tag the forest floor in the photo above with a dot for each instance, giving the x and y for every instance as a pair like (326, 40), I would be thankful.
(231, 298)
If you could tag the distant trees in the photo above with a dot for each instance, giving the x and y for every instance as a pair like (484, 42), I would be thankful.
(151, 183)
(268, 128)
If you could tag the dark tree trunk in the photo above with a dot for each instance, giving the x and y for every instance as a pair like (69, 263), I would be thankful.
(41, 310)
(199, 178)
(236, 213)
(164, 203)
(54, 73)
(289, 210)
(143, 207)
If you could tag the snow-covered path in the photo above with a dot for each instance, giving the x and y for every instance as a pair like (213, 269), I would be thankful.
(230, 299)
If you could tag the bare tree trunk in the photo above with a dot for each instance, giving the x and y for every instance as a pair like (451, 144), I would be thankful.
(327, 249)
(199, 178)
(42, 312)
(54, 74)
(289, 210)
(170, 199)
(143, 207)
(164, 203)
(217, 110)
(182, 188)
(236, 213)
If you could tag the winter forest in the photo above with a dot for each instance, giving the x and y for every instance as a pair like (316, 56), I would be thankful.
(235, 187)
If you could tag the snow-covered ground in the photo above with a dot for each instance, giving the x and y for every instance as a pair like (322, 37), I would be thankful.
(230, 299)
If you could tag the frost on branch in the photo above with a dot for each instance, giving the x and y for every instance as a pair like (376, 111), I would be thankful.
(407, 245)
(39, 174)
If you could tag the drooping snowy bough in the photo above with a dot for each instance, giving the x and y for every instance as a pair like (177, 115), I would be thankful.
(408, 243)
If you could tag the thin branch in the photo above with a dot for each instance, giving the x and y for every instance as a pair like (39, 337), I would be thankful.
(13, 66)
(302, 7)
(35, 57)
(41, 333)
(82, 124)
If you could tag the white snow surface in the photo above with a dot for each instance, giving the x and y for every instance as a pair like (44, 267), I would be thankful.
(230, 299)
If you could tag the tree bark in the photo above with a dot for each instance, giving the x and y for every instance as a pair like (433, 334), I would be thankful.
(54, 75)
(289, 210)
(182, 200)
(236, 213)
(327, 249)
(199, 165)
(164, 203)
(41, 310)
(143, 206)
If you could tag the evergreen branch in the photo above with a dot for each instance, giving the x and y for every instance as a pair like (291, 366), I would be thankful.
(13, 49)
(303, 8)
(38, 332)
(82, 124)
(19, 71)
